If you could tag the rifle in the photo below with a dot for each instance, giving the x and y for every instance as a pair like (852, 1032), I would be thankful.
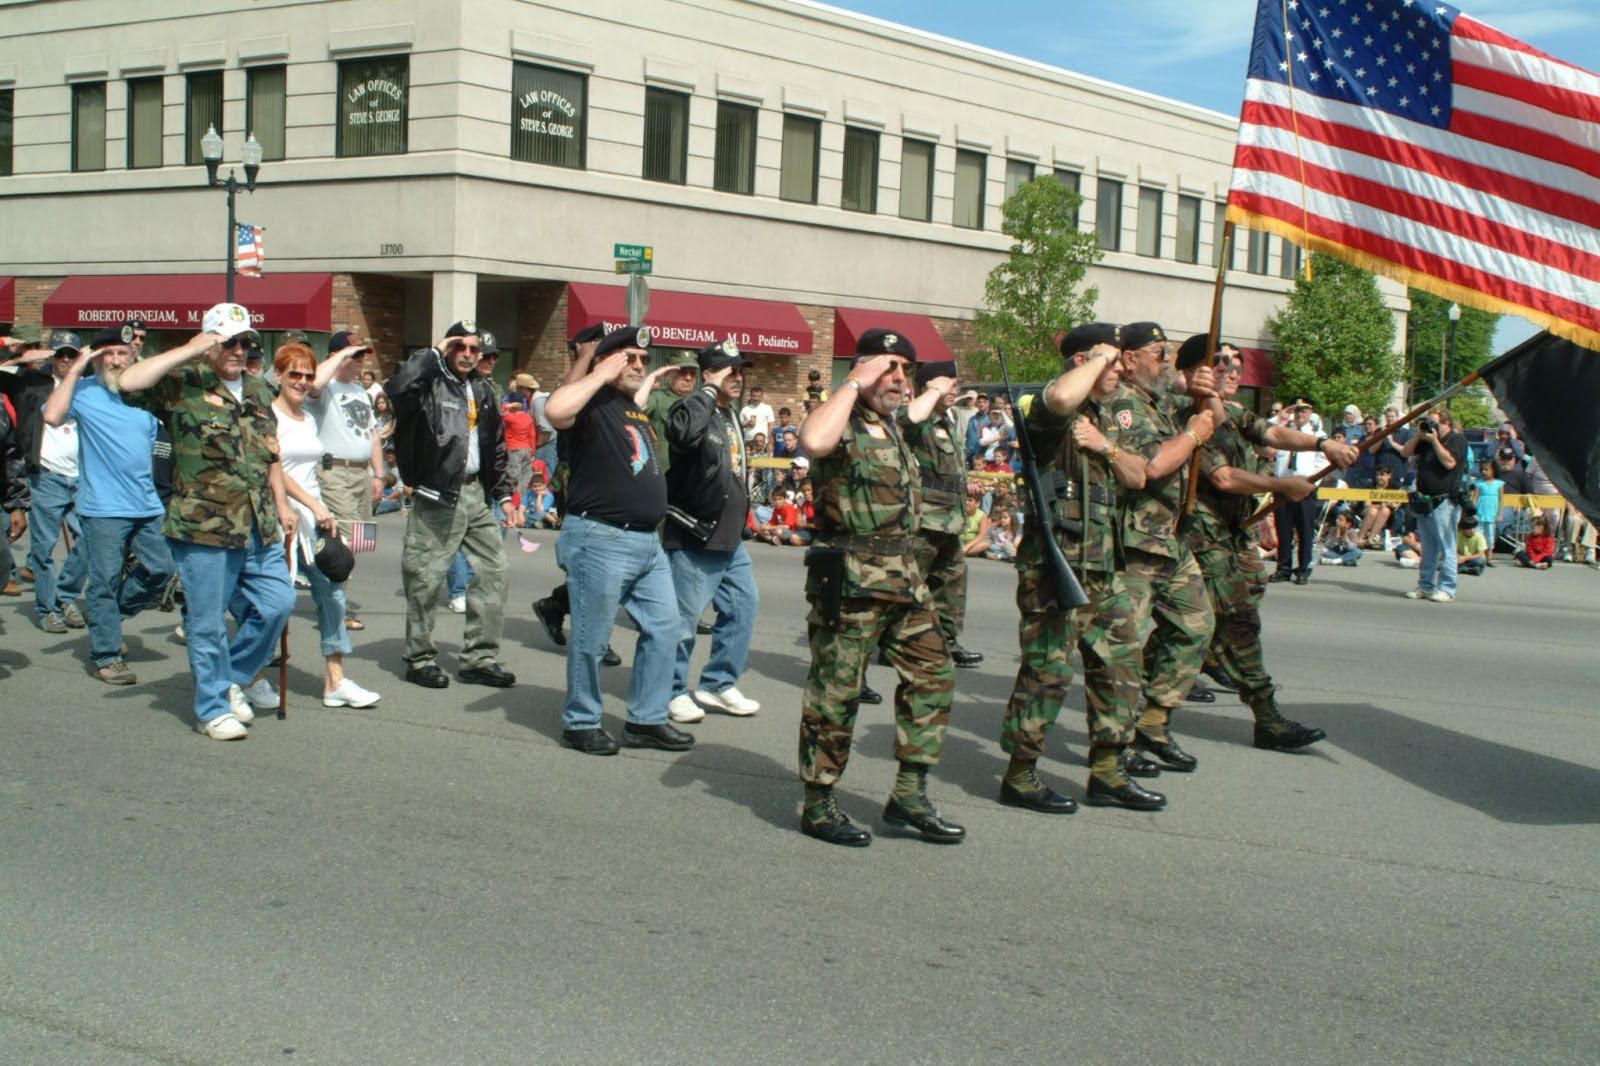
(1069, 593)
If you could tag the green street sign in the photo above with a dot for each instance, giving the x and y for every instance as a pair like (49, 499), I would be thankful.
(633, 252)
(634, 266)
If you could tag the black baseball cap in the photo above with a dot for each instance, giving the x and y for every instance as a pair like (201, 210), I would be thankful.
(334, 558)
(943, 368)
(720, 355)
(342, 340)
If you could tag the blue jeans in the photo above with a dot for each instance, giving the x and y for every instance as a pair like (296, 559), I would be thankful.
(329, 599)
(110, 598)
(727, 578)
(53, 499)
(1437, 531)
(459, 575)
(606, 568)
(1346, 556)
(255, 580)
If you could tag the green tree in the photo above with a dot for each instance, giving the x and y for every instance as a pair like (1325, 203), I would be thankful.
(1428, 347)
(1336, 340)
(1034, 296)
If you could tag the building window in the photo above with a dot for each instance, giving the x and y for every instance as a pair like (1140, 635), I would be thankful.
(860, 171)
(735, 166)
(1188, 250)
(144, 122)
(1108, 214)
(373, 106)
(1148, 239)
(204, 112)
(89, 126)
(1219, 226)
(666, 135)
(549, 116)
(916, 180)
(970, 168)
(1290, 266)
(1072, 181)
(7, 139)
(265, 104)
(802, 139)
(1260, 251)
(1018, 174)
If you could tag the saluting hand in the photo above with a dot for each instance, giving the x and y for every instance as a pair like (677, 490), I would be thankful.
(944, 385)
(612, 367)
(715, 378)
(870, 370)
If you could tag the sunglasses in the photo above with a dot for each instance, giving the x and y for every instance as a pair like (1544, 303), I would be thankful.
(642, 358)
(468, 348)
(298, 375)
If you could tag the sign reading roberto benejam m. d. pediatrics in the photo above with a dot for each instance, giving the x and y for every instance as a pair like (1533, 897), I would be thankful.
(549, 115)
(373, 105)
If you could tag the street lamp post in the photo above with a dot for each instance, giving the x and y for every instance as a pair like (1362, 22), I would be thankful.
(1450, 346)
(211, 152)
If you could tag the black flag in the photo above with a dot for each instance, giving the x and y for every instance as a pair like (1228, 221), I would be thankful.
(1550, 390)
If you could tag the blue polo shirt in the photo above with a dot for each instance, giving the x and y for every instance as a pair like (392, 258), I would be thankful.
(115, 445)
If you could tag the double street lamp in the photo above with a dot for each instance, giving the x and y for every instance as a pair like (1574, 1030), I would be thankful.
(211, 152)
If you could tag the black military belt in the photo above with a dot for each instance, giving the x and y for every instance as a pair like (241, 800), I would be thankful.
(631, 527)
(1067, 489)
(875, 545)
(955, 485)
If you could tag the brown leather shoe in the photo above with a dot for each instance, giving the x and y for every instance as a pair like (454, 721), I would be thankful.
(13, 588)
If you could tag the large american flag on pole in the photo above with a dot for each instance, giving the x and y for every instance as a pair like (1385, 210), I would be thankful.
(250, 257)
(1422, 144)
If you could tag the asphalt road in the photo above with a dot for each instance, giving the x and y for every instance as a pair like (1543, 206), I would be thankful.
(436, 881)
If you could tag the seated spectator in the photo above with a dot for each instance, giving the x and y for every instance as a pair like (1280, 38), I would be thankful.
(539, 506)
(1341, 547)
(975, 536)
(999, 460)
(786, 424)
(1375, 517)
(1002, 536)
(1408, 553)
(394, 495)
(792, 519)
(1472, 551)
(1539, 550)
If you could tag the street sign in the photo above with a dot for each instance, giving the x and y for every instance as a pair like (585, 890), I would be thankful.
(638, 299)
(634, 266)
(633, 251)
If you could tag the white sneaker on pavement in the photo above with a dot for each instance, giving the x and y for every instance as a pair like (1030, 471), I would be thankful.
(262, 696)
(239, 705)
(222, 727)
(349, 694)
(458, 604)
(1416, 594)
(1440, 596)
(684, 709)
(729, 699)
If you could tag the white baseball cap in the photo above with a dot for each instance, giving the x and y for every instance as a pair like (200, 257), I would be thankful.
(802, 462)
(228, 320)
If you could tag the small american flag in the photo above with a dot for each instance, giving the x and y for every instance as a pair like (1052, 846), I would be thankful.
(1415, 141)
(249, 253)
(363, 537)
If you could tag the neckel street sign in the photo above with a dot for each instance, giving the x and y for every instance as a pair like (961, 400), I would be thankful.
(632, 251)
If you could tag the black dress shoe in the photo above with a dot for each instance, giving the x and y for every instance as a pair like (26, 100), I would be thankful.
(1135, 765)
(1200, 692)
(1302, 579)
(1220, 679)
(610, 658)
(1284, 735)
(1038, 796)
(552, 616)
(1127, 794)
(488, 674)
(832, 827)
(869, 695)
(926, 822)
(661, 736)
(429, 676)
(589, 741)
(964, 658)
(1281, 575)
(1172, 757)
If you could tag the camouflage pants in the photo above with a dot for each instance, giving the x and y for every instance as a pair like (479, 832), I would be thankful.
(945, 567)
(1175, 619)
(911, 640)
(1236, 644)
(1106, 635)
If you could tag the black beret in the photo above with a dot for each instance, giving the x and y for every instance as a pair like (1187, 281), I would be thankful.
(136, 323)
(587, 335)
(107, 337)
(1139, 334)
(885, 342)
(465, 328)
(1192, 352)
(1082, 338)
(721, 354)
(626, 337)
(926, 372)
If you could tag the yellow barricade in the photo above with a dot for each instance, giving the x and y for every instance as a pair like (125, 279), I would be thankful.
(1516, 499)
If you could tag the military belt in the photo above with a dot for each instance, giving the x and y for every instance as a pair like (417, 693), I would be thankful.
(954, 485)
(1067, 489)
(875, 545)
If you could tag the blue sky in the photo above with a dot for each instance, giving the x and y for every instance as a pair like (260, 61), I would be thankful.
(1196, 50)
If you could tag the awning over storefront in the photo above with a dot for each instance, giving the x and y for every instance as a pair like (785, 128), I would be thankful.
(850, 323)
(8, 299)
(1259, 369)
(179, 301)
(689, 320)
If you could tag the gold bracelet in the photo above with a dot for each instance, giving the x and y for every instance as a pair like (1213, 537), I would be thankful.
(1198, 443)
(1112, 453)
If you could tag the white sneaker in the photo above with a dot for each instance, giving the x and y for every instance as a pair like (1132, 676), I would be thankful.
(1416, 594)
(262, 696)
(1408, 562)
(729, 699)
(349, 694)
(684, 709)
(1333, 562)
(222, 727)
(458, 604)
(1440, 596)
(239, 705)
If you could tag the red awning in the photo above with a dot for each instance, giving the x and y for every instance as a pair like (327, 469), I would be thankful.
(8, 300)
(689, 320)
(180, 301)
(1259, 369)
(850, 323)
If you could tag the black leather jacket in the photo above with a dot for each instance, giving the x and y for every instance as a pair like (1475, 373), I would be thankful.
(430, 433)
(702, 472)
(13, 470)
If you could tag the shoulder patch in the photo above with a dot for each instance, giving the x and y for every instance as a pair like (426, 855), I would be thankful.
(1125, 418)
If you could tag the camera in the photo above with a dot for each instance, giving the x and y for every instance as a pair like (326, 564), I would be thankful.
(1428, 425)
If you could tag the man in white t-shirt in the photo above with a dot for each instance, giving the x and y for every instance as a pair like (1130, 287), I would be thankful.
(351, 475)
(756, 416)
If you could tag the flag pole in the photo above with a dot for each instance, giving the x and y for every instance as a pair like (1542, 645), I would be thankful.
(1213, 337)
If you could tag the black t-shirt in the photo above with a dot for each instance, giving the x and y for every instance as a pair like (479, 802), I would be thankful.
(615, 476)
(1432, 477)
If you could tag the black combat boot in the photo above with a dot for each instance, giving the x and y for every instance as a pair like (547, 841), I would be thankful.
(1027, 789)
(1274, 732)
(824, 820)
(1166, 749)
(909, 806)
(963, 657)
(1120, 792)
(869, 694)
(1135, 765)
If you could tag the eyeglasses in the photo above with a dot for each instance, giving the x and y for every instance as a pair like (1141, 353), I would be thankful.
(298, 375)
(469, 348)
(642, 358)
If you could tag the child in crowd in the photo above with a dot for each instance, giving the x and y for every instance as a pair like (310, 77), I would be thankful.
(1002, 537)
(1408, 553)
(539, 506)
(976, 534)
(1540, 547)
(1489, 490)
(1341, 548)
(1472, 552)
(1375, 518)
(394, 496)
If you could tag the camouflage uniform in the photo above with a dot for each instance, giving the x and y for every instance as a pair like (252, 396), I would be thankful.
(1105, 631)
(1168, 591)
(868, 500)
(943, 519)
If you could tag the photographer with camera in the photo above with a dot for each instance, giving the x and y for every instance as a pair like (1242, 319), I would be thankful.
(1441, 455)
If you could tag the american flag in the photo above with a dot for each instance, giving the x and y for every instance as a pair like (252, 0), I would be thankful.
(1424, 145)
(249, 254)
(363, 537)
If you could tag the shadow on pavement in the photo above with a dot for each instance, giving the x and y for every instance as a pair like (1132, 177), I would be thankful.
(769, 790)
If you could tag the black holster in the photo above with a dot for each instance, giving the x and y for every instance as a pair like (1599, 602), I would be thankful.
(825, 581)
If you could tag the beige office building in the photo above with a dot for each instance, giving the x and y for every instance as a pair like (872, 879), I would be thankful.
(799, 172)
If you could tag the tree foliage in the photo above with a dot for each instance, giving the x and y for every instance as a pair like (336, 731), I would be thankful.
(1336, 340)
(1034, 295)
(1428, 353)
